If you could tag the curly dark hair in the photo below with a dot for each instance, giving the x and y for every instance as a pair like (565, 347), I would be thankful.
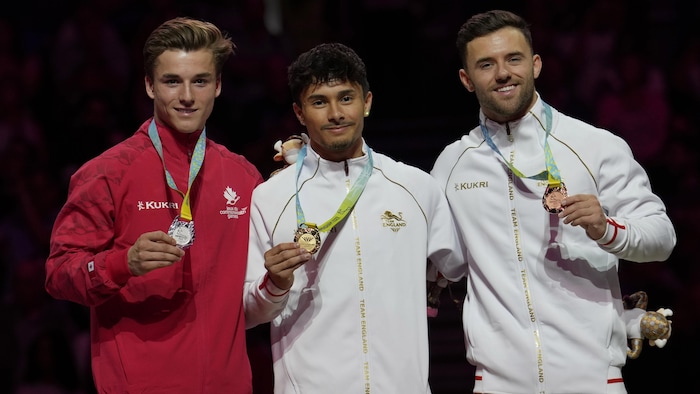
(324, 63)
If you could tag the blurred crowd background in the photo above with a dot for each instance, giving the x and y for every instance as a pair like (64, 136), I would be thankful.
(71, 85)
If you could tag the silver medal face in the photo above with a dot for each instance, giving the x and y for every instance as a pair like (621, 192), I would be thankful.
(183, 232)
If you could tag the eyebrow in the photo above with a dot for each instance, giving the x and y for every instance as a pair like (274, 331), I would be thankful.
(200, 75)
(492, 58)
(341, 93)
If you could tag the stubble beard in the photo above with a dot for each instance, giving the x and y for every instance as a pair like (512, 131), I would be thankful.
(509, 110)
(340, 146)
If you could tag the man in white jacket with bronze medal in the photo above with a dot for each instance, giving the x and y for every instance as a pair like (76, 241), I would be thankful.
(547, 205)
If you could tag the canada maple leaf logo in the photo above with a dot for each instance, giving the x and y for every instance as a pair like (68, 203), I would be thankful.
(231, 196)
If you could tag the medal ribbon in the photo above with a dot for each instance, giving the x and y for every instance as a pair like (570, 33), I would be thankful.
(349, 201)
(552, 172)
(195, 165)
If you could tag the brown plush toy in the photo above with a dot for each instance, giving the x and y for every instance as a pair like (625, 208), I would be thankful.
(288, 150)
(644, 325)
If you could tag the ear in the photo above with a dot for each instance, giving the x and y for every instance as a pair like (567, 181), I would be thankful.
(298, 113)
(368, 103)
(536, 65)
(466, 81)
(218, 86)
(149, 87)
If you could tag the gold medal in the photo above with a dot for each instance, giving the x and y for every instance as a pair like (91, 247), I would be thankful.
(553, 195)
(308, 238)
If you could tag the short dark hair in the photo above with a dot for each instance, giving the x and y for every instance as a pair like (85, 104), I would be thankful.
(324, 63)
(486, 23)
(189, 35)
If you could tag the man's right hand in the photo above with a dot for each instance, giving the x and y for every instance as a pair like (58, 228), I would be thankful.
(282, 260)
(152, 251)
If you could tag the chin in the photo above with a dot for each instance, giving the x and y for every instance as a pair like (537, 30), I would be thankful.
(187, 127)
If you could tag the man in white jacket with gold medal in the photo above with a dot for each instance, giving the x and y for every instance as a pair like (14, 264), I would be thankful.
(338, 246)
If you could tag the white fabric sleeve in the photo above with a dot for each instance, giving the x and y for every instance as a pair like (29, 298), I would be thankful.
(639, 228)
(262, 300)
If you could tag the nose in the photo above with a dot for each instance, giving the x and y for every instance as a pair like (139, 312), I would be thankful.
(186, 95)
(502, 73)
(335, 112)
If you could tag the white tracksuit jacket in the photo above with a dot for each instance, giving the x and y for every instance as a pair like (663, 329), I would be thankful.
(355, 320)
(543, 306)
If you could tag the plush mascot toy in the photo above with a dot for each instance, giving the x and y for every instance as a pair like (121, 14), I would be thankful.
(435, 284)
(644, 325)
(288, 150)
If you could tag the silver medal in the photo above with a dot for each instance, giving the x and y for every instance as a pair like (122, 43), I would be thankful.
(183, 232)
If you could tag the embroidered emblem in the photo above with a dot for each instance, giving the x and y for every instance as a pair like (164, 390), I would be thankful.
(471, 185)
(232, 199)
(231, 196)
(394, 222)
(141, 205)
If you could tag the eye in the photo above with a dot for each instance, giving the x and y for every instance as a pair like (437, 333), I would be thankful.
(515, 59)
(346, 99)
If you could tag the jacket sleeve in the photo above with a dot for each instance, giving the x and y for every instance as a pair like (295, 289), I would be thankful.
(446, 249)
(639, 228)
(83, 266)
(262, 300)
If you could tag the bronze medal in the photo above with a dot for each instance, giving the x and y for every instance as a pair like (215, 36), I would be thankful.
(553, 195)
(183, 232)
(308, 238)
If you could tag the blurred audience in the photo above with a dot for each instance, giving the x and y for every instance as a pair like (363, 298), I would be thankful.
(635, 106)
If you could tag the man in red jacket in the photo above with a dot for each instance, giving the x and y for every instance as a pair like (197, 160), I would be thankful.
(154, 234)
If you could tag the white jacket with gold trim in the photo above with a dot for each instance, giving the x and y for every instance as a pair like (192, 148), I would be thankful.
(355, 320)
(543, 306)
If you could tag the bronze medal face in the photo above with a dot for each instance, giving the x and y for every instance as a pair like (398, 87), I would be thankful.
(553, 195)
(183, 232)
(308, 238)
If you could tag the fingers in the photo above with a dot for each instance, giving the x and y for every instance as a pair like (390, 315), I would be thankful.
(282, 260)
(584, 210)
(151, 251)
(581, 210)
(286, 255)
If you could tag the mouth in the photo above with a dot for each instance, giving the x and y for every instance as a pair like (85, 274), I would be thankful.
(505, 89)
(185, 111)
(338, 128)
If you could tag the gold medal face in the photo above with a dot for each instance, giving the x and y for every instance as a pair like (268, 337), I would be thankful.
(308, 238)
(553, 195)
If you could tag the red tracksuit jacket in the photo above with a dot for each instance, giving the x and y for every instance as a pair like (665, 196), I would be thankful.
(178, 329)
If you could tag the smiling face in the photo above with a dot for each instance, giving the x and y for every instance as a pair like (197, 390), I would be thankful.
(333, 114)
(183, 89)
(501, 71)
